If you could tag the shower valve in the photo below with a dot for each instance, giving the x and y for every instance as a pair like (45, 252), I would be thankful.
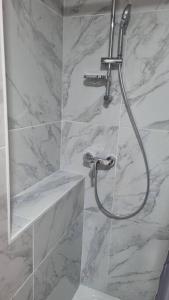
(103, 163)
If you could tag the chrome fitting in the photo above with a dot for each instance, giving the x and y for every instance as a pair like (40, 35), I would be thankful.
(114, 61)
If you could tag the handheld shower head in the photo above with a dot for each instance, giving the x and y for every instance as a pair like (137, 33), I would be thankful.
(125, 19)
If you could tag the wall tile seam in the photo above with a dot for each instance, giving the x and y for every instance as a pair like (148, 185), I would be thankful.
(35, 126)
(114, 125)
(22, 285)
(35, 269)
(118, 13)
(29, 226)
(94, 124)
(50, 8)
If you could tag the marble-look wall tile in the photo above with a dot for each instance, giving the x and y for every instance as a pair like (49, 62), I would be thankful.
(57, 5)
(15, 265)
(2, 129)
(137, 254)
(95, 253)
(147, 70)
(33, 48)
(131, 177)
(80, 138)
(139, 247)
(26, 291)
(3, 201)
(51, 227)
(93, 7)
(85, 42)
(58, 276)
(34, 154)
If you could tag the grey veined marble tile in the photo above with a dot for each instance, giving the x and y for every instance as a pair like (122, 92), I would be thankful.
(2, 129)
(131, 177)
(33, 47)
(56, 222)
(16, 263)
(147, 70)
(100, 140)
(57, 5)
(34, 154)
(95, 254)
(137, 253)
(3, 201)
(58, 276)
(85, 42)
(92, 7)
(26, 291)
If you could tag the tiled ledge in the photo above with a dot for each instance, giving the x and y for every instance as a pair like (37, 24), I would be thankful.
(29, 205)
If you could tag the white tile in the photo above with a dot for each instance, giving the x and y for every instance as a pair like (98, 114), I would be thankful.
(57, 5)
(85, 293)
(33, 48)
(85, 42)
(131, 177)
(137, 254)
(95, 254)
(139, 246)
(79, 138)
(59, 274)
(2, 129)
(3, 201)
(34, 154)
(32, 203)
(146, 70)
(51, 227)
(92, 7)
(26, 291)
(16, 263)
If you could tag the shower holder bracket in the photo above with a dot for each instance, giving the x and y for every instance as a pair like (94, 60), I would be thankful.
(114, 61)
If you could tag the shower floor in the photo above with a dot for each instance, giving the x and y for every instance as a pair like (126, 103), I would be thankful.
(85, 293)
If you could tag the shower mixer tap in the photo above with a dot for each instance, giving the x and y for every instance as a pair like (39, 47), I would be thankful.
(103, 163)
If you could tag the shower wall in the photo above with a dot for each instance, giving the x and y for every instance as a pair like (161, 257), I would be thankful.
(42, 262)
(121, 258)
(33, 50)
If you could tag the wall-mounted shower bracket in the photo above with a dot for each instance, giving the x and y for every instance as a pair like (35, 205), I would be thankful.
(114, 61)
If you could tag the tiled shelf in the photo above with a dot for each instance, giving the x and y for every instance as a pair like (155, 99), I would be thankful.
(29, 205)
(85, 293)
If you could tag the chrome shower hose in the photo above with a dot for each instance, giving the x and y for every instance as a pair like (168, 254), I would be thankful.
(139, 140)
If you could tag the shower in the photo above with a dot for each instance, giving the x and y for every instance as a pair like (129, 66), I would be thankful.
(111, 63)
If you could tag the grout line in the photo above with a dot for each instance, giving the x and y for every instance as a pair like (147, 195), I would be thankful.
(33, 258)
(31, 222)
(147, 129)
(135, 11)
(51, 9)
(22, 285)
(34, 126)
(115, 125)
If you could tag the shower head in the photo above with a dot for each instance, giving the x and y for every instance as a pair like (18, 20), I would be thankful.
(125, 19)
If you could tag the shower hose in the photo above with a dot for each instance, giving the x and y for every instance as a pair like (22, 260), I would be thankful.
(139, 140)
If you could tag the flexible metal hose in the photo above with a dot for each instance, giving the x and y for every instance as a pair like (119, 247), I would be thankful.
(139, 140)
